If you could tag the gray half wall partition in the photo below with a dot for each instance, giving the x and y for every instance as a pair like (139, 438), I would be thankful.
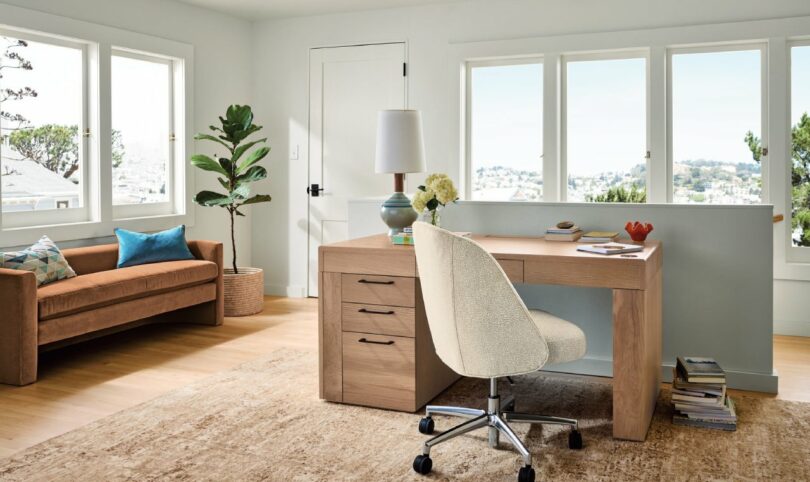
(718, 277)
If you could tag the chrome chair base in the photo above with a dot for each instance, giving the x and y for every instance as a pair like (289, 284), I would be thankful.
(496, 418)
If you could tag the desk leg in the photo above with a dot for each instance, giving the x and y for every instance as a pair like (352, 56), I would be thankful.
(636, 358)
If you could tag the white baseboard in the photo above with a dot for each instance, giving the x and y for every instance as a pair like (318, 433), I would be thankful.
(283, 290)
(791, 327)
(603, 367)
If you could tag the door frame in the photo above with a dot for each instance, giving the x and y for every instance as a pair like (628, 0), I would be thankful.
(405, 44)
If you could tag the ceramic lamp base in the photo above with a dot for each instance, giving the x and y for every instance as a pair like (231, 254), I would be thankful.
(397, 213)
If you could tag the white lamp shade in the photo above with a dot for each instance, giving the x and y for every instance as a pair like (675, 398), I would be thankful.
(400, 147)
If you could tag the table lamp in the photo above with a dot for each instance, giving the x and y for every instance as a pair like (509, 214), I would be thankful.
(400, 149)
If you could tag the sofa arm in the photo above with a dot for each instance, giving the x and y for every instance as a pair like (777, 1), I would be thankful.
(213, 251)
(18, 327)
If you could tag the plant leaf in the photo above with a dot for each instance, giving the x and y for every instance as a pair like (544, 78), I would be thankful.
(241, 192)
(254, 157)
(255, 173)
(207, 164)
(244, 148)
(226, 164)
(258, 198)
(224, 183)
(210, 198)
(207, 137)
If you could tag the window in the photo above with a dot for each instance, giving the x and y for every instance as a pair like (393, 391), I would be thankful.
(606, 129)
(800, 152)
(141, 129)
(93, 133)
(43, 156)
(505, 122)
(716, 109)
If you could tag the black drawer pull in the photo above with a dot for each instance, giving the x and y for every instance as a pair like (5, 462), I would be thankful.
(372, 282)
(389, 342)
(372, 312)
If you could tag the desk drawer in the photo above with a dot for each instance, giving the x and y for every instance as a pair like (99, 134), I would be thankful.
(379, 371)
(379, 290)
(379, 319)
(513, 269)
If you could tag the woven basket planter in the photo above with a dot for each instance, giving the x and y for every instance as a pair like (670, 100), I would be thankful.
(244, 292)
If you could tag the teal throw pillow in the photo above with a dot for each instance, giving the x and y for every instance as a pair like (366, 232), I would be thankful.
(43, 258)
(140, 248)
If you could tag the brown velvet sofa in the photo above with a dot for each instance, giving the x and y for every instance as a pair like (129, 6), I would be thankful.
(103, 299)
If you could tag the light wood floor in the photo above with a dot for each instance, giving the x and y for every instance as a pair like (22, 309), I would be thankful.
(83, 383)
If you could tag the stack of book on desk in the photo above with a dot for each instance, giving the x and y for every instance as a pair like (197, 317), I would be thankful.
(599, 237)
(699, 395)
(563, 234)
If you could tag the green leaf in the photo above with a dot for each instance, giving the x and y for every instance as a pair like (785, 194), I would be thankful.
(226, 164)
(422, 188)
(210, 198)
(255, 173)
(244, 148)
(254, 157)
(258, 198)
(207, 164)
(207, 137)
(432, 204)
(241, 192)
(240, 114)
(238, 213)
(224, 183)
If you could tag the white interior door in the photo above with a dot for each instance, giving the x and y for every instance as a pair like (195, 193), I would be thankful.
(348, 87)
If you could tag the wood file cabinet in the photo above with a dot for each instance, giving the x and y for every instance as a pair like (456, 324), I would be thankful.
(375, 344)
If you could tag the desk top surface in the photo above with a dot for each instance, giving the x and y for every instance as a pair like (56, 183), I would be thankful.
(504, 247)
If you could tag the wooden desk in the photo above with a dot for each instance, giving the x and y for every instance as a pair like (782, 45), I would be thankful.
(364, 279)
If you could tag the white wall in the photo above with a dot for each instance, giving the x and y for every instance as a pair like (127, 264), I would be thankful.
(280, 83)
(222, 67)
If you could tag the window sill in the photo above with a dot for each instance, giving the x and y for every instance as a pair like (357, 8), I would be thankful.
(25, 236)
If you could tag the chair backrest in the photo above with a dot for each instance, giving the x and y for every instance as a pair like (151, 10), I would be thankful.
(479, 325)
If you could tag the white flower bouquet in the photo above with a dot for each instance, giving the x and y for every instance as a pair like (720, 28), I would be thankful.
(437, 192)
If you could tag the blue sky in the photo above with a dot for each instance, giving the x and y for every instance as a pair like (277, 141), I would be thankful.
(716, 99)
(800, 72)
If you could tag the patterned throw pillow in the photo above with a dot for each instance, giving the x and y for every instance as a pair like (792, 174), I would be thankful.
(43, 258)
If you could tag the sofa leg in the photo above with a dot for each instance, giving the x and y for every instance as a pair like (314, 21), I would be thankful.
(202, 314)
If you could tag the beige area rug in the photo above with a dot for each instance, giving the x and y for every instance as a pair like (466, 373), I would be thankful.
(263, 421)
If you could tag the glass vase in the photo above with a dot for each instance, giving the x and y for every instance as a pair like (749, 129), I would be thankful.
(433, 217)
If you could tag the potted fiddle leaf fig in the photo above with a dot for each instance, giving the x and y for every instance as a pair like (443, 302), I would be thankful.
(244, 287)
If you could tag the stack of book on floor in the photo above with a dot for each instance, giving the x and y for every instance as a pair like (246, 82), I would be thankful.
(563, 234)
(699, 395)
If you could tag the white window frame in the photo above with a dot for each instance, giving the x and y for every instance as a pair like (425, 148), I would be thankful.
(88, 164)
(468, 111)
(762, 47)
(100, 40)
(793, 254)
(563, 131)
(134, 211)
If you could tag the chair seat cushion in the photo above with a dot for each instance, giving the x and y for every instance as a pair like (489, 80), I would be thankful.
(565, 340)
(90, 291)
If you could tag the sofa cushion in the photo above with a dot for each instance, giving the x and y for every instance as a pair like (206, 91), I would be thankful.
(104, 288)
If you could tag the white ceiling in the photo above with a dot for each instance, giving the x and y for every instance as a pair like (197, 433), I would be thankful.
(266, 9)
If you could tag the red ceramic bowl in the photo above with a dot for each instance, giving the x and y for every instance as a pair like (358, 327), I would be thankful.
(637, 230)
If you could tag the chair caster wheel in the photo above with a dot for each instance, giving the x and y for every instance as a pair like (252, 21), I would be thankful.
(526, 474)
(426, 426)
(422, 464)
(575, 440)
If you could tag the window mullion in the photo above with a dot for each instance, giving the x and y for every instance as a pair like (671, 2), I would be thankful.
(659, 166)
(553, 170)
(103, 139)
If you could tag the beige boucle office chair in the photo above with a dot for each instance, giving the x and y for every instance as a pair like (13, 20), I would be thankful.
(481, 328)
